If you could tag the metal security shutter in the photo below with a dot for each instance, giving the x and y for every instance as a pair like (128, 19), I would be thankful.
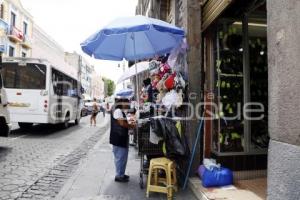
(212, 9)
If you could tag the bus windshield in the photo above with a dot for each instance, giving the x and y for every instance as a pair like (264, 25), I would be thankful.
(29, 76)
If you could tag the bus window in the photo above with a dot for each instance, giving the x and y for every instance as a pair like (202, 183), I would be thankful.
(0, 80)
(31, 76)
(63, 84)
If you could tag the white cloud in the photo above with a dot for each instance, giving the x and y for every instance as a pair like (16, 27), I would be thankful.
(71, 22)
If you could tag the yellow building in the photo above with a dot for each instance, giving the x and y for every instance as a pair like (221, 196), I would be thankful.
(16, 26)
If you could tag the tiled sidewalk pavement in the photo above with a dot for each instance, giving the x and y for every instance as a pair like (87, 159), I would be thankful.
(94, 179)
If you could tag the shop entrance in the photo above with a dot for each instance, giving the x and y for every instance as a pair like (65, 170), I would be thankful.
(236, 85)
(236, 81)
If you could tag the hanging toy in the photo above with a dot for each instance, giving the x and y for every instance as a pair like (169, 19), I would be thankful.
(155, 79)
(170, 82)
(164, 68)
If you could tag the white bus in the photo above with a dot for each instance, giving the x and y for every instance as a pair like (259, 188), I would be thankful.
(5, 125)
(38, 92)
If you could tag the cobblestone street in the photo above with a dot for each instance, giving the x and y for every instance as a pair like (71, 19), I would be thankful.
(36, 163)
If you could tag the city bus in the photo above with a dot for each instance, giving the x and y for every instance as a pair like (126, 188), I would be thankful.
(40, 93)
(5, 125)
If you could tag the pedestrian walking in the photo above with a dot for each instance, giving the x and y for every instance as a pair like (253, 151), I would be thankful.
(107, 107)
(94, 112)
(119, 137)
(103, 110)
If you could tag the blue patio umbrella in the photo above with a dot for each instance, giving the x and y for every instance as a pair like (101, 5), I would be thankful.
(125, 92)
(133, 38)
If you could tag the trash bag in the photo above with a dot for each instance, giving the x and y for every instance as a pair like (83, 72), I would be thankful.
(176, 145)
(217, 177)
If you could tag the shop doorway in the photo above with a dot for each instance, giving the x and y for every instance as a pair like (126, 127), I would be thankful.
(236, 81)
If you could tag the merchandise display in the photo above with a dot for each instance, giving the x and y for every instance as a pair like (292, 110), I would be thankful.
(229, 89)
(259, 85)
(162, 93)
(230, 133)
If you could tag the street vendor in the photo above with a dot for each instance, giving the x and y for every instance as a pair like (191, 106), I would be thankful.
(119, 137)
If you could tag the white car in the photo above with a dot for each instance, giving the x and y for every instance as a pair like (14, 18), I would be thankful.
(4, 115)
(89, 106)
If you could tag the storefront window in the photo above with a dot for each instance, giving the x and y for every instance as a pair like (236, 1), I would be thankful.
(228, 137)
(257, 31)
(241, 82)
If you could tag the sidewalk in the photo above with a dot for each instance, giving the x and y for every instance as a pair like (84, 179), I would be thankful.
(94, 178)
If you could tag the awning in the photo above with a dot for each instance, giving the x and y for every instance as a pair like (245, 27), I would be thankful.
(211, 10)
(141, 67)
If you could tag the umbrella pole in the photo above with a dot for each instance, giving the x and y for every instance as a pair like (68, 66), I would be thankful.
(137, 89)
(136, 77)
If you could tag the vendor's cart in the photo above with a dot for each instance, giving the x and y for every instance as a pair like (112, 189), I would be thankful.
(145, 147)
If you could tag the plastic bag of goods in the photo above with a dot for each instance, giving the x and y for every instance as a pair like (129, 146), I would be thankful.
(217, 177)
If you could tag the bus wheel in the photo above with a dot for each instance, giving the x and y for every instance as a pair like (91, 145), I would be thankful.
(66, 123)
(77, 121)
(4, 127)
(25, 126)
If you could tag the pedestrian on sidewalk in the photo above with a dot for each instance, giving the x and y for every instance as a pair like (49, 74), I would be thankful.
(102, 109)
(107, 108)
(119, 137)
(94, 112)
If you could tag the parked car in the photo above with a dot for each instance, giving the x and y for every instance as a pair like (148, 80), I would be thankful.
(5, 125)
(83, 109)
(89, 106)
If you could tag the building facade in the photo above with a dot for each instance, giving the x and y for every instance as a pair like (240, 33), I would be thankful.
(90, 81)
(97, 86)
(244, 52)
(16, 29)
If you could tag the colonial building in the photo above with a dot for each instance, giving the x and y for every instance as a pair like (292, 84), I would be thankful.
(97, 86)
(17, 25)
(93, 88)
(243, 52)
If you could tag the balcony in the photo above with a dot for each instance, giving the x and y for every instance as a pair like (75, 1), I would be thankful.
(27, 42)
(15, 35)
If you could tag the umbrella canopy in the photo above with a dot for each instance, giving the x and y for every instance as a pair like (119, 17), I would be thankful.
(125, 93)
(133, 38)
(141, 67)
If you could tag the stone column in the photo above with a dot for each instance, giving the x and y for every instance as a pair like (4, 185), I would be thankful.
(191, 20)
(284, 99)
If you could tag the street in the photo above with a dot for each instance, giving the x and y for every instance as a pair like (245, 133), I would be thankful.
(38, 162)
(49, 163)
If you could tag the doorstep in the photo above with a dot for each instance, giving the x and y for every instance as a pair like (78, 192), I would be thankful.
(240, 191)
